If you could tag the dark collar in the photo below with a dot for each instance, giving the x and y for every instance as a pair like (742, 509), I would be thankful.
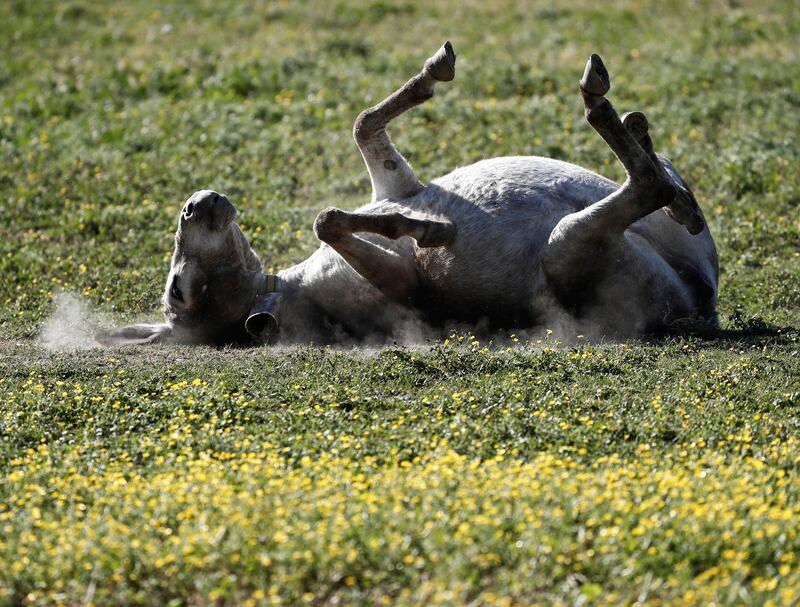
(270, 283)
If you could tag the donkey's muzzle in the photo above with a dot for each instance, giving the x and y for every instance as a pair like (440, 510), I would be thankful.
(209, 208)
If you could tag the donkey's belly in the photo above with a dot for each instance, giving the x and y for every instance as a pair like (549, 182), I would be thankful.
(490, 275)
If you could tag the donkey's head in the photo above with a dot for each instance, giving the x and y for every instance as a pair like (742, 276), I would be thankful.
(215, 289)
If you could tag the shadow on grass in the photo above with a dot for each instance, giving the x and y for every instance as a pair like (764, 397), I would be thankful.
(746, 331)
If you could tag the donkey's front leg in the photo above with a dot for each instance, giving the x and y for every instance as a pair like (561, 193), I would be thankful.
(395, 275)
(390, 173)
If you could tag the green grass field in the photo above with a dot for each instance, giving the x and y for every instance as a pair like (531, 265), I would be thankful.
(661, 471)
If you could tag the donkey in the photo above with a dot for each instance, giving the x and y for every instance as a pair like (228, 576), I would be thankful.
(512, 242)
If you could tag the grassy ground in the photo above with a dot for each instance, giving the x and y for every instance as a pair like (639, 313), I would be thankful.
(660, 471)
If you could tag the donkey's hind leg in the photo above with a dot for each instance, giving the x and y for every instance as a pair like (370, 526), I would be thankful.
(647, 188)
(586, 238)
(390, 173)
(684, 208)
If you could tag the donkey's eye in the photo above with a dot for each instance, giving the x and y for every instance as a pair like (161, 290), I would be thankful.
(176, 292)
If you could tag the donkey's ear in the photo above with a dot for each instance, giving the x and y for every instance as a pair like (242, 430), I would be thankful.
(135, 335)
(262, 322)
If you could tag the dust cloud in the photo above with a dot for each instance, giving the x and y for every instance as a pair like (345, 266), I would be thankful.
(71, 327)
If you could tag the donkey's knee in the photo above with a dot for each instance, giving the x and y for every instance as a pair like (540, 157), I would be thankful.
(366, 126)
(651, 188)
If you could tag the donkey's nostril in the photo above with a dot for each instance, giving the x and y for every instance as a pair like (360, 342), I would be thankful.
(189, 209)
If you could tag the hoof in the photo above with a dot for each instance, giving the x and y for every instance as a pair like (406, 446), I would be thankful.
(442, 65)
(695, 225)
(328, 224)
(595, 79)
(636, 124)
(688, 218)
(684, 210)
(437, 234)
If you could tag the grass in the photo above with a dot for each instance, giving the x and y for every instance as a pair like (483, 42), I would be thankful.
(660, 471)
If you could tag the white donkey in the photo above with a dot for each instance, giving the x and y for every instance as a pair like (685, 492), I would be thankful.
(510, 242)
